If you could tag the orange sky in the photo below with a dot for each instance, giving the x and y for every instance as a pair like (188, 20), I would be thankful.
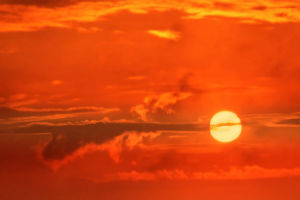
(112, 99)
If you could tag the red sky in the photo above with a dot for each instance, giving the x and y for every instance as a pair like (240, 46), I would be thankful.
(113, 99)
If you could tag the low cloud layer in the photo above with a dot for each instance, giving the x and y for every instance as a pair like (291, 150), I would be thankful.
(159, 151)
(244, 173)
(68, 139)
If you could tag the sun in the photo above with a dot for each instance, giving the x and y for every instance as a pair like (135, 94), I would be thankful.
(225, 126)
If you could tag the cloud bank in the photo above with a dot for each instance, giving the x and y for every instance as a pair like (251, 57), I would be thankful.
(20, 16)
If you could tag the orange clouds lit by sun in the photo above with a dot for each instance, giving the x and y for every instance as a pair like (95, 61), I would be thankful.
(149, 99)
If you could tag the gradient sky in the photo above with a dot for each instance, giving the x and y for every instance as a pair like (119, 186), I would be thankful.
(112, 99)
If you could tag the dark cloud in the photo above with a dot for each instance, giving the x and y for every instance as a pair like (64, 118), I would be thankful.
(44, 3)
(186, 86)
(282, 14)
(259, 7)
(294, 121)
(50, 3)
(6, 112)
(223, 5)
(67, 139)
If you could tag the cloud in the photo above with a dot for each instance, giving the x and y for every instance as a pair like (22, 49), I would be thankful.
(141, 110)
(223, 5)
(151, 176)
(69, 109)
(244, 173)
(7, 112)
(40, 119)
(44, 3)
(27, 116)
(22, 102)
(92, 29)
(165, 100)
(126, 141)
(248, 172)
(69, 123)
(273, 119)
(67, 139)
(24, 17)
(245, 12)
(166, 34)
(155, 103)
(292, 122)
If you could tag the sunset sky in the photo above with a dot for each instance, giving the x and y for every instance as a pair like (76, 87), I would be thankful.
(112, 99)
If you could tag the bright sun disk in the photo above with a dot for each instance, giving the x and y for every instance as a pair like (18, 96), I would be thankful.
(225, 126)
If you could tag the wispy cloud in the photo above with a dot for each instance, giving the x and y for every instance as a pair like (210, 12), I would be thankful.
(166, 34)
(28, 115)
(273, 119)
(69, 109)
(163, 102)
(128, 140)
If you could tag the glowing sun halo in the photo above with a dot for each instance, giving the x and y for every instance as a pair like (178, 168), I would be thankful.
(225, 126)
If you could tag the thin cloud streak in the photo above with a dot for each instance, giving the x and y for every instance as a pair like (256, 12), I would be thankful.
(250, 172)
